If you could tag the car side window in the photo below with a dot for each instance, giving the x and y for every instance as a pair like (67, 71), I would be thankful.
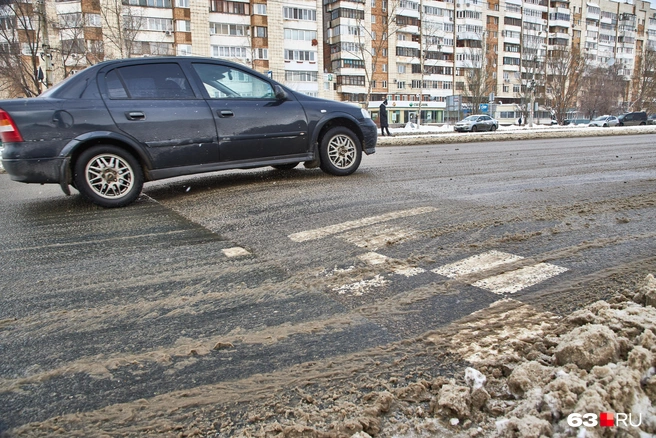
(148, 81)
(223, 82)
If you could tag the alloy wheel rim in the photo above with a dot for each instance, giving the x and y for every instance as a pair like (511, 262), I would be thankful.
(342, 151)
(109, 176)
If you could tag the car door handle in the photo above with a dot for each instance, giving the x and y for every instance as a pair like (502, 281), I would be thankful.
(225, 113)
(135, 115)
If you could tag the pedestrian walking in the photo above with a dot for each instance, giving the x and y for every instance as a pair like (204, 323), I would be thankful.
(384, 124)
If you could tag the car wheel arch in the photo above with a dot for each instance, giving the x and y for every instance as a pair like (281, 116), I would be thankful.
(74, 149)
(326, 125)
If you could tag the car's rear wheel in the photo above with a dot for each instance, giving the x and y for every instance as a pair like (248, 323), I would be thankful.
(108, 176)
(494, 128)
(340, 152)
(288, 166)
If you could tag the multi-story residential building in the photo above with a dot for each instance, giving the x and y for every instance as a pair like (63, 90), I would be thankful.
(442, 58)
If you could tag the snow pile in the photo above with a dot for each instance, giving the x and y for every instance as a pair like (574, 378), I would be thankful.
(528, 374)
(605, 364)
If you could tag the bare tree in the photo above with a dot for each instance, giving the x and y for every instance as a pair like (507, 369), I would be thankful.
(565, 69)
(532, 70)
(602, 88)
(478, 75)
(121, 24)
(73, 45)
(371, 41)
(21, 30)
(431, 38)
(644, 82)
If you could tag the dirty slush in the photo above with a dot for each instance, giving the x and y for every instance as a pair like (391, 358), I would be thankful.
(526, 373)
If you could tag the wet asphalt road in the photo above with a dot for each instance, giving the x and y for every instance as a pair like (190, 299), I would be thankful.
(100, 307)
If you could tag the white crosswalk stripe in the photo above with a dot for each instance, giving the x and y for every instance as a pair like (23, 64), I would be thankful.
(514, 281)
(330, 230)
(376, 236)
(478, 263)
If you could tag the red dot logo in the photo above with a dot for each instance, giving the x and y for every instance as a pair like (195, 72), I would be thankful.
(606, 419)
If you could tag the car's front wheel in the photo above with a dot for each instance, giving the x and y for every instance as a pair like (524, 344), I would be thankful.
(340, 151)
(108, 176)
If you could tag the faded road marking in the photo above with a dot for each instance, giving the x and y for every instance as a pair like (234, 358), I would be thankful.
(477, 263)
(235, 252)
(511, 282)
(361, 287)
(373, 258)
(378, 237)
(320, 233)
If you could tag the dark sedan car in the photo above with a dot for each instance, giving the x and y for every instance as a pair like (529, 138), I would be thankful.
(117, 124)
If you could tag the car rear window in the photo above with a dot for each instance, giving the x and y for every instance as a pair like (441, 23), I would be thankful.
(148, 81)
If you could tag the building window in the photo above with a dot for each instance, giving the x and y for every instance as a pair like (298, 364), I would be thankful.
(229, 52)
(300, 76)
(299, 14)
(260, 53)
(300, 34)
(183, 25)
(260, 9)
(261, 32)
(184, 50)
(299, 55)
(227, 7)
(182, 3)
(93, 20)
(151, 3)
(228, 29)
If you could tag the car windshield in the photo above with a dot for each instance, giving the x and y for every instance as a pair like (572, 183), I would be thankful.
(470, 119)
(601, 118)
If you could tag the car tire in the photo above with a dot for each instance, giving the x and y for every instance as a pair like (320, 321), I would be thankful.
(494, 128)
(621, 124)
(606, 125)
(474, 128)
(287, 166)
(340, 151)
(108, 176)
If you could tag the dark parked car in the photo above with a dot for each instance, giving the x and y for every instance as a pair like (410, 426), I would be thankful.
(633, 119)
(477, 122)
(111, 127)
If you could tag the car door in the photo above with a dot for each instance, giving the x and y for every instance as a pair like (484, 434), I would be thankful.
(252, 124)
(154, 103)
(487, 122)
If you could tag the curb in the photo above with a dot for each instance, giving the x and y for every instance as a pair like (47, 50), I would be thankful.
(405, 139)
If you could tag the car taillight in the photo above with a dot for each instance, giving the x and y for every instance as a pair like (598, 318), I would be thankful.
(8, 131)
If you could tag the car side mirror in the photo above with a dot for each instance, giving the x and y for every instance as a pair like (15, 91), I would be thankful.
(281, 94)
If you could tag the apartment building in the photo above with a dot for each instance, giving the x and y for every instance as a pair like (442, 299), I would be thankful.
(440, 58)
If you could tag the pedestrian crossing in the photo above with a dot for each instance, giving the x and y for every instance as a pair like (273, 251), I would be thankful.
(495, 271)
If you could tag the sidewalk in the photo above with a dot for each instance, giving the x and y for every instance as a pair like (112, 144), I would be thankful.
(445, 134)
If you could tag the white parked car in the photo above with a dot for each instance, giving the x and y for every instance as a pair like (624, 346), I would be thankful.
(605, 121)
